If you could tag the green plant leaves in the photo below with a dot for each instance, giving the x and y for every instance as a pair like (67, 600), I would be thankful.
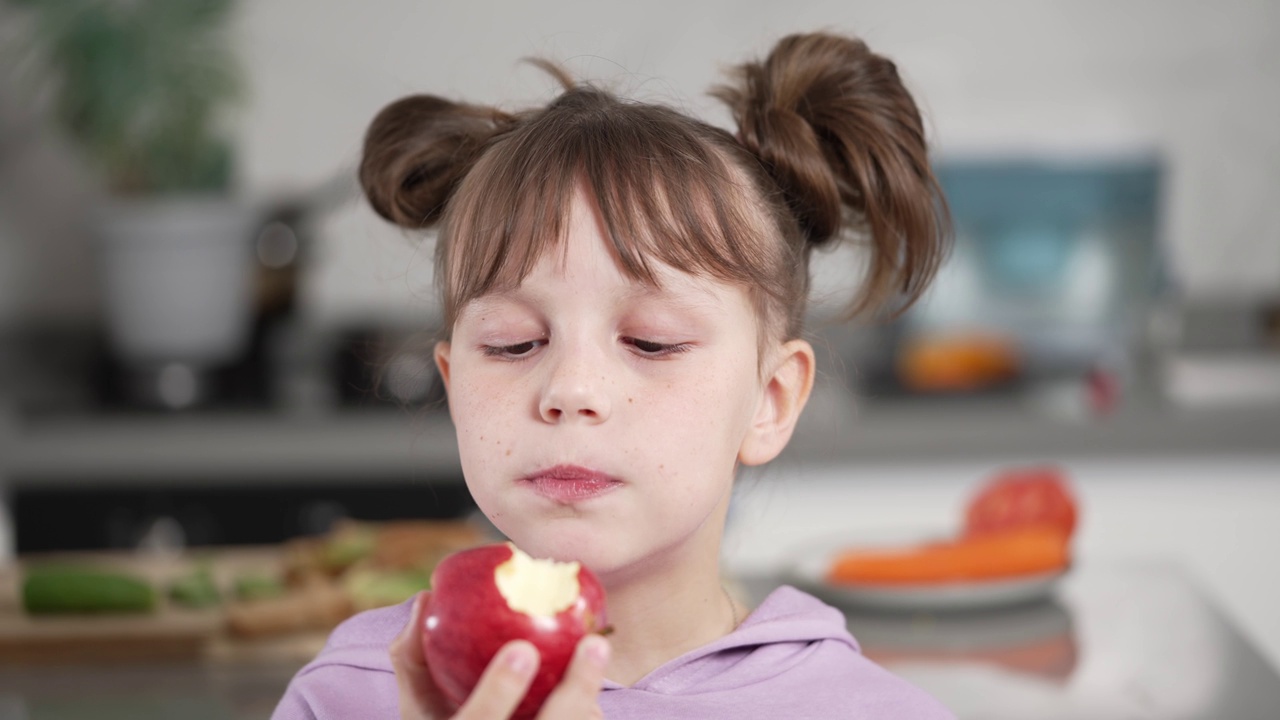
(141, 86)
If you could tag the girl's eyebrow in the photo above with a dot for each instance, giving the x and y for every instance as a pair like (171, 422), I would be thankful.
(490, 301)
(694, 301)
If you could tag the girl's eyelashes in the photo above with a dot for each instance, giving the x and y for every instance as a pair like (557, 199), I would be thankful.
(512, 352)
(656, 349)
(645, 348)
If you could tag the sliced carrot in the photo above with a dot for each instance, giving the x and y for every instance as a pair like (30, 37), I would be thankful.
(985, 557)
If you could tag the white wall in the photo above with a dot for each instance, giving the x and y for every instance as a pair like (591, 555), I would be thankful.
(1196, 80)
(47, 267)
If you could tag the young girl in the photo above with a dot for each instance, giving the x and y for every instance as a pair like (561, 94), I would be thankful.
(623, 290)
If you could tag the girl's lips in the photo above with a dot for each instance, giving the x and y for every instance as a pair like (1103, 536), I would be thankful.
(567, 484)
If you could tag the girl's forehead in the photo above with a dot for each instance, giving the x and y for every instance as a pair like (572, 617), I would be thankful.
(582, 265)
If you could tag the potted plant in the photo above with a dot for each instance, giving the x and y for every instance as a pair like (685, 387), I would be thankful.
(142, 88)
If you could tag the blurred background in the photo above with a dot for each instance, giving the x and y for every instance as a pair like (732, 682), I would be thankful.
(208, 338)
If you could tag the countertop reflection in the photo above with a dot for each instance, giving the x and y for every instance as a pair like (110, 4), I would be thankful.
(1120, 641)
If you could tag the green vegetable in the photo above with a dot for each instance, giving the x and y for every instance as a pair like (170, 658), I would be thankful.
(142, 87)
(378, 588)
(73, 589)
(348, 546)
(258, 587)
(196, 589)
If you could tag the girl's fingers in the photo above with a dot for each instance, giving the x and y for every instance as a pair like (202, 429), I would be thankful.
(578, 694)
(419, 697)
(503, 684)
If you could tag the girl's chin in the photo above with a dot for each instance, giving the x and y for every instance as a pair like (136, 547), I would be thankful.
(600, 553)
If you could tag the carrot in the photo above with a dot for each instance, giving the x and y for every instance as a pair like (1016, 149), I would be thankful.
(993, 556)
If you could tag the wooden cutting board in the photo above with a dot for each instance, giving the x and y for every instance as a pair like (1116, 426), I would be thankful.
(168, 633)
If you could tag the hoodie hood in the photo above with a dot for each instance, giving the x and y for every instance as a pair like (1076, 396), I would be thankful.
(773, 638)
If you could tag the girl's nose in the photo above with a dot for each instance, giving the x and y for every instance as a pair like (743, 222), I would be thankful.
(575, 388)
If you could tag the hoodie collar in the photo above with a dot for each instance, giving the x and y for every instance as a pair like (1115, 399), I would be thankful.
(787, 615)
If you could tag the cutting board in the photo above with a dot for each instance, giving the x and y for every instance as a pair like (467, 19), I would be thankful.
(167, 634)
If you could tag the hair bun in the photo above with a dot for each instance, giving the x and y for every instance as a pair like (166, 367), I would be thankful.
(417, 150)
(842, 137)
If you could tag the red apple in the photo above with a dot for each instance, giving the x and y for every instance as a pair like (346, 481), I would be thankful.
(487, 596)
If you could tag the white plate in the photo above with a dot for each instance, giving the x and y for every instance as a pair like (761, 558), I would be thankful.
(810, 569)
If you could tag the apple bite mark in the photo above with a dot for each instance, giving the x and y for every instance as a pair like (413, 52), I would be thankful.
(540, 588)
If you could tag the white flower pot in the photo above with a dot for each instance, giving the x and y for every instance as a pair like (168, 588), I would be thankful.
(177, 276)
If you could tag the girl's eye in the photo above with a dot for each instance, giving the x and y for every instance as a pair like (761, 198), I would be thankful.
(654, 349)
(646, 348)
(512, 352)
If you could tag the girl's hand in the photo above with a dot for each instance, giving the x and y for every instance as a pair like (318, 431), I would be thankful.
(504, 682)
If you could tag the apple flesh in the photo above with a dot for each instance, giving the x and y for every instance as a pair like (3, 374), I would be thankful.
(485, 597)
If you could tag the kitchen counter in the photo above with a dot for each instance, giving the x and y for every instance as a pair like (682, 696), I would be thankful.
(1119, 641)
(1123, 641)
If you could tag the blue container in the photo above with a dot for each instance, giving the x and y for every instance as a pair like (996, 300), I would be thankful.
(1061, 254)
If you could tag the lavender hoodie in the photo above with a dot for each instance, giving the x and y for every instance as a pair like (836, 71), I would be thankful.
(791, 658)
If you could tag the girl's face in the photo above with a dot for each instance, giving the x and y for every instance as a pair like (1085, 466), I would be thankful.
(581, 366)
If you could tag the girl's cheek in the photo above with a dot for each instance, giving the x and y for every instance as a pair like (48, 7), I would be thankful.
(482, 402)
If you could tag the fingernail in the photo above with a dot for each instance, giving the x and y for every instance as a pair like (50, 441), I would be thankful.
(518, 659)
(597, 650)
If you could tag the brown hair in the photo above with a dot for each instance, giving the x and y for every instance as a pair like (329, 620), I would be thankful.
(829, 140)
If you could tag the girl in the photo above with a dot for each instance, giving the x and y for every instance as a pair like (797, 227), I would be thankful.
(623, 289)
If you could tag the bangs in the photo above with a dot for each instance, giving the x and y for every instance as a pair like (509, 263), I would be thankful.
(664, 186)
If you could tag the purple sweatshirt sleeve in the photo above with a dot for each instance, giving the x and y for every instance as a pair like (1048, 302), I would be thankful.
(293, 706)
(352, 676)
(330, 692)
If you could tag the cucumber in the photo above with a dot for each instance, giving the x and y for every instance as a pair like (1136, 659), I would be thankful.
(72, 589)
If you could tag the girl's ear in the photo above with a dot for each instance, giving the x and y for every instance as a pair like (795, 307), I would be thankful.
(442, 362)
(783, 397)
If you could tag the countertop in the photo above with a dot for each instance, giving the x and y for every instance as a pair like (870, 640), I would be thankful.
(1113, 641)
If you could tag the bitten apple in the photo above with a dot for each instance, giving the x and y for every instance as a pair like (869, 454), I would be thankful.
(485, 597)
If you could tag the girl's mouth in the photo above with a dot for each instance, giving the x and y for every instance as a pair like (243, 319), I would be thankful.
(569, 484)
